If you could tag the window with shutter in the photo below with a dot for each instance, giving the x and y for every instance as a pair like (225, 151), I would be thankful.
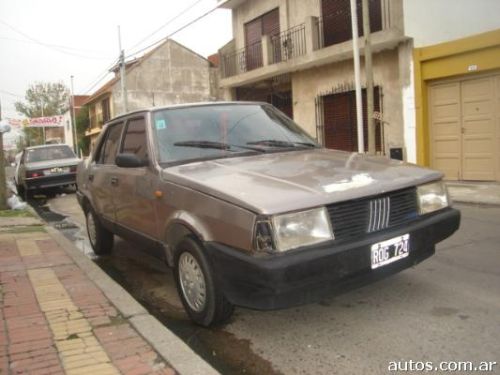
(337, 20)
(339, 114)
(267, 24)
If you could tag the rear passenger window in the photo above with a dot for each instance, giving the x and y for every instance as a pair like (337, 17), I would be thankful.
(107, 153)
(135, 139)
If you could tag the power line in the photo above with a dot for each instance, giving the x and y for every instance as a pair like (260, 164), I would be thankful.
(175, 32)
(10, 93)
(168, 22)
(101, 76)
(46, 45)
(106, 71)
(51, 45)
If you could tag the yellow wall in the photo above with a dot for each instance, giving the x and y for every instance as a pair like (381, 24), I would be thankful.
(446, 60)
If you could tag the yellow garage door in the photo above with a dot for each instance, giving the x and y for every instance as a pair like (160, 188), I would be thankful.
(465, 128)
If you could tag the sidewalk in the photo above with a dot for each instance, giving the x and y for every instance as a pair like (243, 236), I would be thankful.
(59, 313)
(474, 192)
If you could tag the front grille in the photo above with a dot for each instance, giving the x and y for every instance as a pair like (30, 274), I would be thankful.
(357, 218)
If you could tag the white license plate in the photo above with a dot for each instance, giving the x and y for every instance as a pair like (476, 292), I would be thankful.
(56, 170)
(389, 251)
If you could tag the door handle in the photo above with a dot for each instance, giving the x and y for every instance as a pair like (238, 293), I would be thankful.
(91, 177)
(114, 181)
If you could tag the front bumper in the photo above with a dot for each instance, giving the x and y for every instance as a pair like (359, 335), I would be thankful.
(307, 275)
(45, 182)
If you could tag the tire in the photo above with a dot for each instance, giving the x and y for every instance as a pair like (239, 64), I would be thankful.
(202, 299)
(20, 190)
(100, 238)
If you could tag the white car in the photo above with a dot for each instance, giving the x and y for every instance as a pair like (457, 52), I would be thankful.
(46, 166)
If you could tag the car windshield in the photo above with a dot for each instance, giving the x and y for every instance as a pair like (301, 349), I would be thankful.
(221, 130)
(49, 153)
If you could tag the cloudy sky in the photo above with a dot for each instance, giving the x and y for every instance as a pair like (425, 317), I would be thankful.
(51, 40)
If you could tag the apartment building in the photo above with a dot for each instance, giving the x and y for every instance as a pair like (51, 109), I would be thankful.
(298, 55)
(168, 74)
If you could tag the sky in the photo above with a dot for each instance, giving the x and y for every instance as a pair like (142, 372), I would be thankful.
(52, 40)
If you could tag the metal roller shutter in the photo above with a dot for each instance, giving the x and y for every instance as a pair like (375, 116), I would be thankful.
(267, 24)
(339, 113)
(337, 20)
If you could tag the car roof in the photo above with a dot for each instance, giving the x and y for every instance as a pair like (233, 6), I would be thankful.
(46, 146)
(185, 105)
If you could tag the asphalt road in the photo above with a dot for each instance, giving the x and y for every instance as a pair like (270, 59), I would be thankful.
(445, 309)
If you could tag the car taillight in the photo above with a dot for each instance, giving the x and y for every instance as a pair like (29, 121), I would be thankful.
(32, 174)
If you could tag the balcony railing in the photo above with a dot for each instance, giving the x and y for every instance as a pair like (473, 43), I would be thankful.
(288, 44)
(242, 60)
(314, 34)
(281, 47)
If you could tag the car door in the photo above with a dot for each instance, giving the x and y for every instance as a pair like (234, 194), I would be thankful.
(102, 172)
(134, 188)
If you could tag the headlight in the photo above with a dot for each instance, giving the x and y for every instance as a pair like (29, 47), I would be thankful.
(432, 197)
(301, 229)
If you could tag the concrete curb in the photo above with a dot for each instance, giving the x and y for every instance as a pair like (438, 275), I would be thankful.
(167, 344)
(175, 352)
(475, 193)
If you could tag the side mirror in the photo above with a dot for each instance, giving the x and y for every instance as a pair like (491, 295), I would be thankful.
(4, 128)
(130, 161)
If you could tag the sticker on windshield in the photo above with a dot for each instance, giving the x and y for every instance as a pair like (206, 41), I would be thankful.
(160, 124)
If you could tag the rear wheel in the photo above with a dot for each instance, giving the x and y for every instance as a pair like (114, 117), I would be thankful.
(202, 299)
(100, 238)
(20, 190)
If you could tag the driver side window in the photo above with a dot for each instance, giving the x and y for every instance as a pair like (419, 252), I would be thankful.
(109, 146)
(134, 141)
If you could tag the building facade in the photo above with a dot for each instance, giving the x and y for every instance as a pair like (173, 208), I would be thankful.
(456, 88)
(168, 74)
(297, 55)
(79, 101)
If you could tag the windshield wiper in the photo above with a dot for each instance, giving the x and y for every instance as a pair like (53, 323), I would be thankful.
(278, 143)
(215, 145)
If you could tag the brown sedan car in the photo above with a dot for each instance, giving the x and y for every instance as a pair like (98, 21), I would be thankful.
(251, 211)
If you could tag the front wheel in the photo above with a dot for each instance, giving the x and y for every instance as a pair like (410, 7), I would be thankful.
(100, 238)
(203, 301)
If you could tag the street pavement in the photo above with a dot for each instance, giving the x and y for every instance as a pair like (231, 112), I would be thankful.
(445, 309)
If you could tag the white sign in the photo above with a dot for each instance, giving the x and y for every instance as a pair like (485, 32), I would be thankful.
(44, 122)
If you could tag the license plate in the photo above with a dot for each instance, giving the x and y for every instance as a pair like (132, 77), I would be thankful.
(389, 251)
(56, 170)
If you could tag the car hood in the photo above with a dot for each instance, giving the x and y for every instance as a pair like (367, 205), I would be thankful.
(51, 163)
(287, 181)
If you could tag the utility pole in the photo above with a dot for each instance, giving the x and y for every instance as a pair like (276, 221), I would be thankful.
(73, 120)
(369, 78)
(43, 127)
(3, 187)
(357, 78)
(122, 73)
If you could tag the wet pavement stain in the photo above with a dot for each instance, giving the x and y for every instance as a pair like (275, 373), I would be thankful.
(443, 311)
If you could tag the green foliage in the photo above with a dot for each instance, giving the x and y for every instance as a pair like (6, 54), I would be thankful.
(82, 124)
(15, 213)
(42, 99)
